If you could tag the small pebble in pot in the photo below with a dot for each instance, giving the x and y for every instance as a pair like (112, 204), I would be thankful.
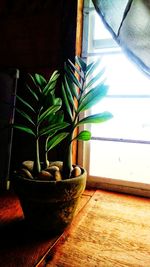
(28, 164)
(52, 169)
(45, 176)
(59, 164)
(76, 171)
(25, 173)
(58, 176)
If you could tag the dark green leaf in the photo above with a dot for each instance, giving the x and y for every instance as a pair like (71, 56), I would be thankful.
(97, 118)
(71, 75)
(51, 83)
(68, 92)
(32, 92)
(24, 129)
(66, 102)
(49, 88)
(47, 101)
(56, 140)
(25, 103)
(54, 127)
(92, 97)
(35, 83)
(73, 88)
(58, 117)
(48, 112)
(33, 80)
(26, 116)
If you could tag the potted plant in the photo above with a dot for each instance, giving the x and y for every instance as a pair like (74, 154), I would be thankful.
(49, 191)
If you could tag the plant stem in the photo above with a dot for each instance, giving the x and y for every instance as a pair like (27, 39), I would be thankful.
(67, 162)
(45, 161)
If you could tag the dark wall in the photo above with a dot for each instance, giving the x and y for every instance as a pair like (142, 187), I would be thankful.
(36, 36)
(36, 33)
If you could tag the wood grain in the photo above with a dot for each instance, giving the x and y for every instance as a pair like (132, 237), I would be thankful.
(112, 230)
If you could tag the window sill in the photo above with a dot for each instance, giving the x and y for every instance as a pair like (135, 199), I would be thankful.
(115, 185)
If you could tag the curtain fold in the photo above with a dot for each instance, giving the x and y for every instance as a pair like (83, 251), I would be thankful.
(129, 23)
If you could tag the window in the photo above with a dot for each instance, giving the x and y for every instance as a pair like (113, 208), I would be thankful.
(119, 152)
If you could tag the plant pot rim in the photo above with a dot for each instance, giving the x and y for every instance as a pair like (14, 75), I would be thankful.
(83, 171)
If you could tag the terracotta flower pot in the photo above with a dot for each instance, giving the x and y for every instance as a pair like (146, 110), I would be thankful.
(49, 205)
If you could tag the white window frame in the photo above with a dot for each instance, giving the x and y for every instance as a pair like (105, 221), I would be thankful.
(84, 147)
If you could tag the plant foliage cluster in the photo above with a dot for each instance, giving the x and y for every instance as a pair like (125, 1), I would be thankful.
(46, 119)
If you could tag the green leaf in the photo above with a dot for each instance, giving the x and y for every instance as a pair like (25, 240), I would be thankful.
(32, 92)
(26, 116)
(54, 76)
(83, 136)
(57, 117)
(49, 88)
(95, 78)
(48, 112)
(81, 63)
(56, 140)
(76, 69)
(35, 83)
(68, 92)
(25, 103)
(71, 75)
(48, 100)
(91, 67)
(66, 102)
(72, 87)
(96, 118)
(57, 101)
(24, 129)
(40, 80)
(55, 127)
(33, 80)
(92, 97)
(51, 83)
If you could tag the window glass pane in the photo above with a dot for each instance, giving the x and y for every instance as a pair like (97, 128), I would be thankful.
(131, 118)
(120, 161)
(100, 31)
(99, 38)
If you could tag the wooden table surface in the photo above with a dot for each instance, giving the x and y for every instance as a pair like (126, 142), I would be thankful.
(109, 229)
(20, 246)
